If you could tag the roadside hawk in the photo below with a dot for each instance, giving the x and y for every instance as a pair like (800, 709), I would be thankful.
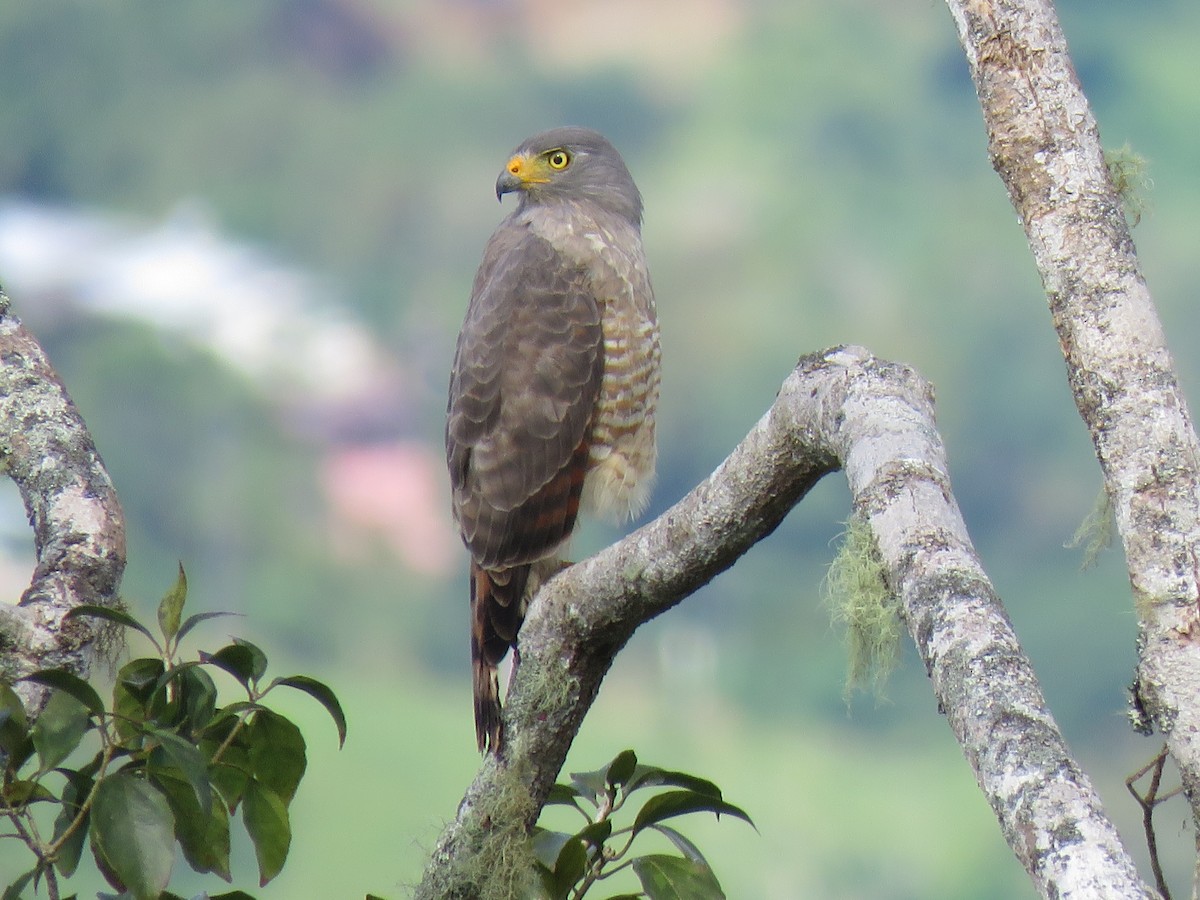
(554, 385)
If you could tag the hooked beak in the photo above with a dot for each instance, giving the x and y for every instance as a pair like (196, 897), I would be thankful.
(520, 174)
(507, 183)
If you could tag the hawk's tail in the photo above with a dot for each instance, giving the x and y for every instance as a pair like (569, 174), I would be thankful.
(497, 608)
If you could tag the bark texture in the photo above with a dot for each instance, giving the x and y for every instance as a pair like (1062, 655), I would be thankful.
(1045, 145)
(840, 409)
(79, 532)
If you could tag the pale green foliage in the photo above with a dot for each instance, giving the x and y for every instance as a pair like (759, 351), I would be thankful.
(1095, 532)
(1128, 173)
(859, 598)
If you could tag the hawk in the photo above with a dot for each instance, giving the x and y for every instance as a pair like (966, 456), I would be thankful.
(554, 385)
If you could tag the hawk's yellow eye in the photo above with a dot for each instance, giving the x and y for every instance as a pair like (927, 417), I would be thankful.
(558, 159)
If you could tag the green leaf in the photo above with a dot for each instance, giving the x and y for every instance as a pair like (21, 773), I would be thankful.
(685, 846)
(227, 716)
(19, 755)
(266, 818)
(230, 895)
(170, 610)
(563, 795)
(204, 837)
(591, 785)
(667, 877)
(192, 621)
(13, 891)
(235, 659)
(92, 767)
(621, 769)
(19, 793)
(142, 677)
(277, 753)
(14, 726)
(199, 696)
(548, 844)
(134, 834)
(652, 776)
(323, 695)
(75, 792)
(69, 683)
(136, 698)
(258, 659)
(570, 865)
(108, 613)
(231, 775)
(678, 803)
(596, 833)
(185, 758)
(195, 695)
(59, 729)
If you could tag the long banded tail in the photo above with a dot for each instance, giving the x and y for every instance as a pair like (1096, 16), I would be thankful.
(497, 608)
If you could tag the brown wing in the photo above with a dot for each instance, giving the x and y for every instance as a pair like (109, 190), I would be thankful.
(523, 389)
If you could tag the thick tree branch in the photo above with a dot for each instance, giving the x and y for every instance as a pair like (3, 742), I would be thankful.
(1045, 145)
(79, 532)
(838, 409)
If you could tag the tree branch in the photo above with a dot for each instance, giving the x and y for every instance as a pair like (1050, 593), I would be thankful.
(1045, 145)
(842, 409)
(79, 532)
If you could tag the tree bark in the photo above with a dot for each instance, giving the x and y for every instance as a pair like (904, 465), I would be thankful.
(840, 409)
(79, 531)
(1045, 145)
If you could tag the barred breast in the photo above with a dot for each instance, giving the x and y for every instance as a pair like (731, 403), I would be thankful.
(623, 447)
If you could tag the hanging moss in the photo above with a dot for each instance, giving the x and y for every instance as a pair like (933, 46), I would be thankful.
(1128, 173)
(1095, 533)
(860, 600)
(502, 866)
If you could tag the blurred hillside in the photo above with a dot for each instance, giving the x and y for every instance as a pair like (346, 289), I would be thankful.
(263, 222)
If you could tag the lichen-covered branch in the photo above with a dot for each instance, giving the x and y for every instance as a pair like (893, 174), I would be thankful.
(79, 532)
(1045, 145)
(840, 409)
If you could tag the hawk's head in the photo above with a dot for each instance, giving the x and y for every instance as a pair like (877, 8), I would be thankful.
(575, 164)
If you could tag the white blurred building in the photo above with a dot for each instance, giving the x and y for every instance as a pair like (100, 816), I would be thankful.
(282, 327)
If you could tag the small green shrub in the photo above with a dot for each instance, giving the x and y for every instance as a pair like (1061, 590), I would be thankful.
(570, 864)
(164, 763)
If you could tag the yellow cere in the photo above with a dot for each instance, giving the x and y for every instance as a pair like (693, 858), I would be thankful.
(530, 171)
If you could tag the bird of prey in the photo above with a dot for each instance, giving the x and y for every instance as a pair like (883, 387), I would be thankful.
(554, 386)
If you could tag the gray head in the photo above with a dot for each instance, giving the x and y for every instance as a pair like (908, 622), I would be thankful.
(575, 164)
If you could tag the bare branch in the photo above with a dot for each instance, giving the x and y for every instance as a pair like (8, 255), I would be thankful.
(1153, 797)
(843, 409)
(1046, 147)
(79, 532)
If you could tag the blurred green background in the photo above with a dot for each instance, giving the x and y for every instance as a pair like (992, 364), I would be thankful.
(813, 174)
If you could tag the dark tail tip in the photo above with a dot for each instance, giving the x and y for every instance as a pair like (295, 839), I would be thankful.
(488, 731)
